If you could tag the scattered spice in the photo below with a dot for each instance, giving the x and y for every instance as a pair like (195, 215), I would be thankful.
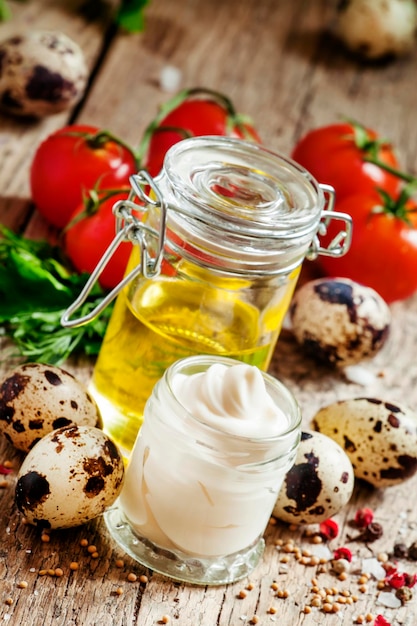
(400, 551)
(343, 553)
(4, 469)
(329, 529)
(364, 517)
(371, 533)
(404, 594)
(412, 551)
(381, 621)
(131, 577)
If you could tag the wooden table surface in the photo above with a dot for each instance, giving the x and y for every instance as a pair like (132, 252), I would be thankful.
(279, 63)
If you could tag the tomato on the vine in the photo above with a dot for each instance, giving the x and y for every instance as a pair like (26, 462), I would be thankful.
(88, 235)
(383, 253)
(70, 162)
(193, 113)
(347, 156)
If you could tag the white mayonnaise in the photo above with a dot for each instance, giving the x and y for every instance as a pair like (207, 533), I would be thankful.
(204, 474)
(231, 399)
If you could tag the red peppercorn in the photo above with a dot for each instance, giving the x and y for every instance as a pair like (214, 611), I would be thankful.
(381, 621)
(343, 553)
(329, 529)
(364, 517)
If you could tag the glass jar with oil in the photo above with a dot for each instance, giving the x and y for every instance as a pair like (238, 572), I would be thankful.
(226, 227)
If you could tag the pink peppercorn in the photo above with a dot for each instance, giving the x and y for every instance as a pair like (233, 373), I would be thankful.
(364, 517)
(343, 553)
(381, 621)
(329, 529)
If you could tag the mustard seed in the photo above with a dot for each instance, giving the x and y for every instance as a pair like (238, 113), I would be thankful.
(45, 538)
(59, 572)
(84, 543)
(242, 594)
(119, 591)
(119, 563)
(249, 586)
(369, 617)
(285, 559)
(131, 577)
(8, 464)
(307, 609)
(317, 539)
(165, 619)
(143, 579)
(316, 602)
(91, 549)
(272, 521)
(9, 601)
(22, 584)
(360, 619)
(343, 576)
(254, 620)
(327, 607)
(73, 566)
(51, 572)
(363, 588)
(274, 586)
(278, 542)
(3, 484)
(95, 555)
(272, 610)
(42, 572)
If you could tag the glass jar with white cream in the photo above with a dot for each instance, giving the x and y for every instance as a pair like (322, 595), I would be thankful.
(204, 474)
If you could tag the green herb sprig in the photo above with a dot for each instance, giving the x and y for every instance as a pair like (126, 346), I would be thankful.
(36, 288)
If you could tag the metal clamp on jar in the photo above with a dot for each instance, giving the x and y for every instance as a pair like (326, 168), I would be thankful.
(217, 252)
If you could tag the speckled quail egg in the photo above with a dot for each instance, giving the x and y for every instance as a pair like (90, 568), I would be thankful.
(69, 477)
(379, 437)
(318, 485)
(36, 398)
(41, 73)
(338, 321)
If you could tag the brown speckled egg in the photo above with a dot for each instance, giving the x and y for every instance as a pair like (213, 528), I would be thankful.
(69, 477)
(379, 437)
(41, 73)
(338, 321)
(37, 398)
(318, 485)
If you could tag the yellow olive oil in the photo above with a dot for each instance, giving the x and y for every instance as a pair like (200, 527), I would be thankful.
(165, 320)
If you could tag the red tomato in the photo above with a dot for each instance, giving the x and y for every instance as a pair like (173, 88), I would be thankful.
(195, 115)
(86, 241)
(335, 155)
(70, 162)
(383, 254)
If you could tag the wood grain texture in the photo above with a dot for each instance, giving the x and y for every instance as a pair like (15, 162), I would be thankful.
(280, 64)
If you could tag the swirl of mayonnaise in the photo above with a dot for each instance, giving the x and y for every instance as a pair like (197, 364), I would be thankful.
(233, 400)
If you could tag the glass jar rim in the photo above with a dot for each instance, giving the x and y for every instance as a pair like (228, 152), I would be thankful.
(245, 186)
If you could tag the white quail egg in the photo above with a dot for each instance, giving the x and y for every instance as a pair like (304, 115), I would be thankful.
(41, 73)
(379, 437)
(319, 484)
(36, 398)
(69, 477)
(338, 321)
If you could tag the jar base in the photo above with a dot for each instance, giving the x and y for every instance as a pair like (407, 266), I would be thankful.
(180, 566)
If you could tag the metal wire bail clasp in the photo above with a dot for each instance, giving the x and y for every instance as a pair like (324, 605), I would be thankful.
(340, 244)
(129, 227)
